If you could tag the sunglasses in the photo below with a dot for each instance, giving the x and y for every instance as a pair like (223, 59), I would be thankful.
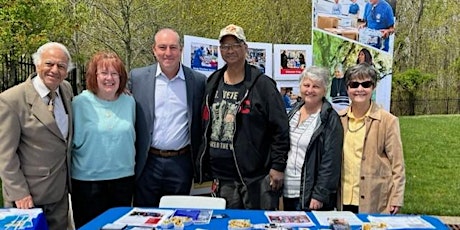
(364, 84)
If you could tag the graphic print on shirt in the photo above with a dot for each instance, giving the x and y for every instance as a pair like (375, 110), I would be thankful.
(223, 127)
(224, 112)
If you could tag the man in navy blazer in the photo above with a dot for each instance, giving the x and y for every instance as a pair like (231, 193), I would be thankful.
(168, 100)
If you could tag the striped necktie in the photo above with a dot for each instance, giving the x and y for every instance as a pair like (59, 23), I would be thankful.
(52, 96)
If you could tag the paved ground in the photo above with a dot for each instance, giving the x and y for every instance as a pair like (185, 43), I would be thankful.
(452, 221)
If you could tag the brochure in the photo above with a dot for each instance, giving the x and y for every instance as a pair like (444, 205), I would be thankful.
(289, 218)
(324, 217)
(199, 216)
(144, 217)
(402, 222)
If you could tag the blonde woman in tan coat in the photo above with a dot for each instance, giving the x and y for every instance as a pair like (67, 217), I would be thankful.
(373, 171)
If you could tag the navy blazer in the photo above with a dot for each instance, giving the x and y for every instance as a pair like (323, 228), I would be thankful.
(142, 85)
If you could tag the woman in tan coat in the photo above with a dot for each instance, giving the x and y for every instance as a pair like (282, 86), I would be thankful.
(373, 172)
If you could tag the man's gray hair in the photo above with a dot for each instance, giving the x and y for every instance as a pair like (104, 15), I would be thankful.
(37, 56)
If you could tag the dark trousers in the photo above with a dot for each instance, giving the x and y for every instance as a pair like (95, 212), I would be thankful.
(256, 195)
(91, 198)
(163, 176)
(351, 208)
(293, 204)
(57, 213)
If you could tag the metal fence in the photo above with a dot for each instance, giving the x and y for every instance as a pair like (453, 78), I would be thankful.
(13, 72)
(427, 107)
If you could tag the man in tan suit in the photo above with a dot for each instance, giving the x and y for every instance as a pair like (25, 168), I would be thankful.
(35, 137)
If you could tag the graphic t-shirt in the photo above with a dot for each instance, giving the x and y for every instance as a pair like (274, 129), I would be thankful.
(223, 112)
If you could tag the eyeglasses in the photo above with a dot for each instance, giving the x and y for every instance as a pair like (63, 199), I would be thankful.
(364, 84)
(226, 47)
(105, 74)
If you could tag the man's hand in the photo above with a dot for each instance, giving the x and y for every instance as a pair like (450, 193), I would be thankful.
(394, 210)
(315, 204)
(387, 32)
(276, 179)
(25, 203)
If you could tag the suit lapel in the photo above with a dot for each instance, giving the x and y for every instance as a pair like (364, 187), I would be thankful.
(150, 92)
(39, 109)
(189, 85)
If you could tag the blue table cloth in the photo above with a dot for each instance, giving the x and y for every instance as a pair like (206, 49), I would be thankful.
(256, 217)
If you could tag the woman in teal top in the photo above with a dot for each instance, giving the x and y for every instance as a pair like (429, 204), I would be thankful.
(103, 145)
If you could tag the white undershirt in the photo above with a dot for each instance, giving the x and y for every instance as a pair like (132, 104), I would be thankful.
(300, 138)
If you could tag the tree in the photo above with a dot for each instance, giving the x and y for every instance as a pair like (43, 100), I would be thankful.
(27, 24)
(274, 21)
(24, 26)
(410, 81)
(125, 27)
(455, 68)
(427, 40)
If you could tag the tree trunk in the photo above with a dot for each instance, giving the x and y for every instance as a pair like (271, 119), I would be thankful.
(411, 104)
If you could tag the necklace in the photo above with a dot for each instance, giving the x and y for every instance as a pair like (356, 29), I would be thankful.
(355, 130)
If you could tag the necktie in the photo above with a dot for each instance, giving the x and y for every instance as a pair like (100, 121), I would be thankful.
(52, 96)
(57, 110)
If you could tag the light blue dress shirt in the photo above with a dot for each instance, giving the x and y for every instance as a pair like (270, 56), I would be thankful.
(170, 125)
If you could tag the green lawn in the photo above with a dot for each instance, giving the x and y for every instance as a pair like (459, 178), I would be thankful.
(432, 154)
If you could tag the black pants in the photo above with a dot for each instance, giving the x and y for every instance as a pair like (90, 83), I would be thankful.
(256, 195)
(293, 204)
(163, 176)
(91, 198)
(351, 208)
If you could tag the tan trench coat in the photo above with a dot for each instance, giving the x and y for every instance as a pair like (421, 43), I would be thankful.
(382, 165)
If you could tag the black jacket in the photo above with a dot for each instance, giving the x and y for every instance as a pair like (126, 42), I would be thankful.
(323, 159)
(261, 139)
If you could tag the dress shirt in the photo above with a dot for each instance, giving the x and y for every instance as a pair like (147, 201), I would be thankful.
(60, 115)
(170, 125)
(353, 146)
